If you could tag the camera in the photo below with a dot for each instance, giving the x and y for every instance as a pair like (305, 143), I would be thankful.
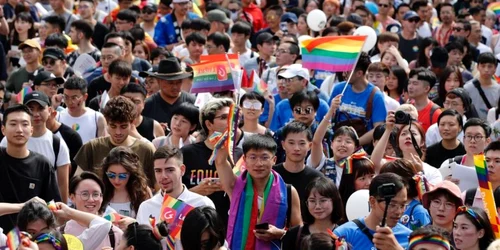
(402, 117)
(387, 191)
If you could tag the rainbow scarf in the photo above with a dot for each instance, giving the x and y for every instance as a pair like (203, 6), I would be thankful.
(244, 212)
(434, 240)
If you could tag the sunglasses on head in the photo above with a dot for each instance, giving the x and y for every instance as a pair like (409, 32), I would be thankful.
(121, 176)
(302, 111)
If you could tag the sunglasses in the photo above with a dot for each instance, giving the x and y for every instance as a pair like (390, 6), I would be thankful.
(121, 176)
(50, 62)
(413, 20)
(457, 29)
(383, 5)
(301, 111)
(252, 105)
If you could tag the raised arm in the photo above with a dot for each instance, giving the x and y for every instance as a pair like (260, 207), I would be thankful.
(270, 99)
(317, 145)
(12, 208)
(226, 176)
(377, 156)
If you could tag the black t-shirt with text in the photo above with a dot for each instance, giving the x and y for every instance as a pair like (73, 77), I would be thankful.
(23, 179)
(436, 154)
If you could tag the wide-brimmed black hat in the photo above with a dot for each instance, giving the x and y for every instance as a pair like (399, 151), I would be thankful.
(168, 69)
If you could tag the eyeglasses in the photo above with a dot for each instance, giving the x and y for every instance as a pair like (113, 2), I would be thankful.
(282, 51)
(252, 105)
(303, 111)
(45, 62)
(222, 117)
(252, 159)
(320, 202)
(86, 195)
(475, 137)
(381, 5)
(465, 209)
(51, 85)
(71, 98)
(395, 207)
(447, 205)
(121, 176)
(413, 20)
(457, 29)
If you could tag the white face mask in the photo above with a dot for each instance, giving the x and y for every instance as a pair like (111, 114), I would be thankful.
(234, 16)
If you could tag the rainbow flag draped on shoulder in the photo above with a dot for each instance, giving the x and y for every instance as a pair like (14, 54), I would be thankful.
(487, 193)
(332, 53)
(213, 73)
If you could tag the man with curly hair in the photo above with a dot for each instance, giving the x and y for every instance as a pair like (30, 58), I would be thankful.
(119, 113)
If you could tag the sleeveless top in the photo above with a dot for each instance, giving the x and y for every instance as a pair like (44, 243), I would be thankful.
(146, 128)
(85, 125)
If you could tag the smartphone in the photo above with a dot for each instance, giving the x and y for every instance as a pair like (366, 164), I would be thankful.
(214, 180)
(263, 226)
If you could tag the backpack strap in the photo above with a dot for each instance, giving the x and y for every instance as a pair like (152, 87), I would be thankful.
(298, 239)
(289, 205)
(56, 145)
(433, 109)
(369, 106)
(364, 229)
(469, 196)
(477, 84)
(96, 125)
(111, 235)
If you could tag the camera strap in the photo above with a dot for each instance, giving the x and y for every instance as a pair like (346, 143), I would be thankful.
(414, 142)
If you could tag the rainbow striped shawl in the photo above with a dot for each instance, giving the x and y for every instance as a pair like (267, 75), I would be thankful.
(243, 213)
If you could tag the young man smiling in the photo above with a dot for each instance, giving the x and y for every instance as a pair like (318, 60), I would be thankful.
(120, 114)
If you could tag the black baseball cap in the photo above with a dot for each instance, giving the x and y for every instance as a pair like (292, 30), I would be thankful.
(37, 96)
(55, 53)
(45, 76)
(265, 37)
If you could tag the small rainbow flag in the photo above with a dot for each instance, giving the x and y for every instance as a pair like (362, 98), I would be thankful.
(232, 129)
(52, 206)
(20, 96)
(487, 193)
(239, 167)
(495, 7)
(218, 140)
(258, 85)
(14, 238)
(113, 217)
(173, 212)
(332, 53)
(212, 77)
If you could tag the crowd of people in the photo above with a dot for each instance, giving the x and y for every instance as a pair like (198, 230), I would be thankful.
(99, 122)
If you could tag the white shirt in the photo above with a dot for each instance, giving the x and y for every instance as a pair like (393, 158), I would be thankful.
(152, 207)
(96, 236)
(390, 103)
(85, 125)
(424, 30)
(433, 136)
(106, 6)
(43, 146)
(491, 118)
(483, 48)
(488, 34)
(245, 56)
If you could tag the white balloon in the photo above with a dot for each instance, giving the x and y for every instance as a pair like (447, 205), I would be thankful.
(316, 20)
(303, 38)
(357, 205)
(371, 39)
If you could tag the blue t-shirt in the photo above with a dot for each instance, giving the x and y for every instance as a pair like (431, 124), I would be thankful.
(353, 235)
(283, 113)
(320, 76)
(355, 104)
(263, 117)
(415, 216)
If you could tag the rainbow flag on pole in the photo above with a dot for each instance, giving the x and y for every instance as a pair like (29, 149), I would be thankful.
(173, 212)
(487, 193)
(213, 73)
(258, 84)
(14, 238)
(24, 91)
(495, 7)
(332, 53)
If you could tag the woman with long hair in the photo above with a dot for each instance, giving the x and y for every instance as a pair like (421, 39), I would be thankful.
(424, 53)
(360, 177)
(325, 211)
(450, 79)
(203, 229)
(396, 83)
(125, 183)
(410, 143)
(302, 27)
(392, 57)
(139, 237)
(415, 215)
(24, 29)
(472, 229)
(141, 50)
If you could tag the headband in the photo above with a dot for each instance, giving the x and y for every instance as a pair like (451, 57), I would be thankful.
(435, 240)
(56, 243)
(471, 212)
(347, 164)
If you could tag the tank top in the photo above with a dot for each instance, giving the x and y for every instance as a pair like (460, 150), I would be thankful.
(85, 125)
(146, 128)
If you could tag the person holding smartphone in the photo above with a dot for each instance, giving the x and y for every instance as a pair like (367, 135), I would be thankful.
(381, 228)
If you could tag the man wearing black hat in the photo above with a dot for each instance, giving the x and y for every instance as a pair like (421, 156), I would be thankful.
(44, 142)
(25, 174)
(160, 105)
(48, 83)
(54, 61)
(266, 45)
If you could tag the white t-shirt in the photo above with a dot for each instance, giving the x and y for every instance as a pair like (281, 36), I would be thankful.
(98, 239)
(488, 34)
(424, 30)
(43, 146)
(152, 207)
(390, 103)
(106, 6)
(483, 48)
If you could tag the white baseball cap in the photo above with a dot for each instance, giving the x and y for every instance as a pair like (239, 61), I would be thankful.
(295, 70)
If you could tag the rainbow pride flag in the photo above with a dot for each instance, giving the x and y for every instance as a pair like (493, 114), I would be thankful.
(113, 217)
(232, 128)
(334, 54)
(258, 85)
(495, 7)
(173, 212)
(239, 167)
(234, 60)
(20, 96)
(214, 74)
(52, 206)
(14, 238)
(487, 193)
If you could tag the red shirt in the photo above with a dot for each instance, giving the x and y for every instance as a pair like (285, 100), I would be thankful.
(424, 116)
(254, 13)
